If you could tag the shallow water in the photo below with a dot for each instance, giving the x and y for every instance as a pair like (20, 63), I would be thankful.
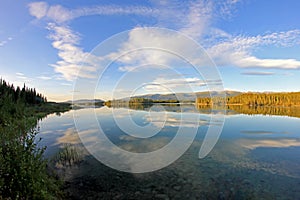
(255, 157)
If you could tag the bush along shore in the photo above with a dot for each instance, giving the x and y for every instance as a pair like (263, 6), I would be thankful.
(23, 170)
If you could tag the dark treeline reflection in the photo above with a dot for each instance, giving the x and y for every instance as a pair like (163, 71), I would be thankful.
(172, 107)
(292, 111)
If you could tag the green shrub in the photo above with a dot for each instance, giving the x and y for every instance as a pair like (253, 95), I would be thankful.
(24, 171)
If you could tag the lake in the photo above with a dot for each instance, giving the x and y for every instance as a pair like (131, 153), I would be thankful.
(255, 156)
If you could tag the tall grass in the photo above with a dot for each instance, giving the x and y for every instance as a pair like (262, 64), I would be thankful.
(69, 155)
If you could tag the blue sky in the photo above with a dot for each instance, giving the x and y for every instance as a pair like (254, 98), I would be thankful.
(254, 44)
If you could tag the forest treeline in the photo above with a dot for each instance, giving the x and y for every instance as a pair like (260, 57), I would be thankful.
(256, 99)
(25, 95)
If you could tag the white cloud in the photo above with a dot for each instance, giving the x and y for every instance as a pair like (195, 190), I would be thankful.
(140, 50)
(238, 51)
(137, 68)
(62, 35)
(113, 10)
(157, 47)
(38, 9)
(179, 82)
(251, 61)
(198, 18)
(193, 18)
(225, 49)
(127, 68)
(66, 84)
(72, 57)
(174, 85)
(157, 88)
(67, 42)
(257, 73)
(22, 76)
(189, 17)
(227, 7)
(45, 77)
(21, 79)
(4, 42)
(60, 14)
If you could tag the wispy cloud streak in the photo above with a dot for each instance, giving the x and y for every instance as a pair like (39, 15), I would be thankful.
(257, 73)
(73, 58)
(238, 51)
(61, 14)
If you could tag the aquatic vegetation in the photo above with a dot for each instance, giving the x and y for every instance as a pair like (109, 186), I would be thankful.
(69, 155)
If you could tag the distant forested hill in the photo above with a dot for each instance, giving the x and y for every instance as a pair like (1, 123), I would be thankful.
(185, 96)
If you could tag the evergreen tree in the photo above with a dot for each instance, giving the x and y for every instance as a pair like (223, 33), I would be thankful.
(26, 95)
